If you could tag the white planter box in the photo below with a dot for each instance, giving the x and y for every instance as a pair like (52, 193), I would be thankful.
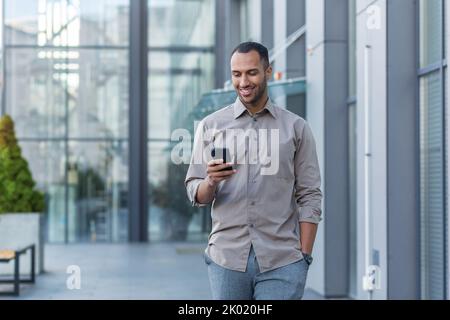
(19, 230)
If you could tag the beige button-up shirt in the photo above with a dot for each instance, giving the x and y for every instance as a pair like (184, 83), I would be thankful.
(277, 184)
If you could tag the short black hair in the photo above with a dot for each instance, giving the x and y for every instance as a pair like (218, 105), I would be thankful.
(246, 47)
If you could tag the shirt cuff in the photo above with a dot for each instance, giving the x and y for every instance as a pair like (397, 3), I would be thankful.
(192, 187)
(310, 214)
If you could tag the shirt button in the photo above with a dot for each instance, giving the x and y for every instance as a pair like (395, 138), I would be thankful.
(251, 225)
(252, 203)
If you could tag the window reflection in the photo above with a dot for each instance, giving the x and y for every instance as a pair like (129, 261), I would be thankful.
(431, 21)
(67, 22)
(98, 183)
(181, 64)
(67, 91)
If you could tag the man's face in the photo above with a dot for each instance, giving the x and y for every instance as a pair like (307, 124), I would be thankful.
(249, 76)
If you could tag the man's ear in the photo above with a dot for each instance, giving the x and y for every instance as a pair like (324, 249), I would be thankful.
(269, 72)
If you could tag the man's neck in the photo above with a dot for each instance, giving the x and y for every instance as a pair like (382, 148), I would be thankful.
(257, 106)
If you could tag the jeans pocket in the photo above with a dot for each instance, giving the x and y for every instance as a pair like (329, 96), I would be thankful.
(207, 259)
(305, 264)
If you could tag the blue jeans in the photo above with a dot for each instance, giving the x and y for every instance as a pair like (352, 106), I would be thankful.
(285, 283)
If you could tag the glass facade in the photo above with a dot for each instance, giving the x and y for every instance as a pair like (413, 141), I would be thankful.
(433, 173)
(432, 184)
(66, 88)
(68, 92)
(431, 32)
(181, 63)
(65, 80)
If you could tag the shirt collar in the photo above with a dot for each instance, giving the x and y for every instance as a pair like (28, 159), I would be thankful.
(239, 108)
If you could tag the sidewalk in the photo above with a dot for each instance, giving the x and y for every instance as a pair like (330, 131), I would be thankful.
(125, 271)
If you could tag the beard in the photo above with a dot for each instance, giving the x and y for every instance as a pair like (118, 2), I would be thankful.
(258, 95)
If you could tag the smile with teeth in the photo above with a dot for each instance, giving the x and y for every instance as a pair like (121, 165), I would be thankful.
(246, 91)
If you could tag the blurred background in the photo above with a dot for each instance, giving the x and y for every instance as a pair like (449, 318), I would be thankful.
(96, 89)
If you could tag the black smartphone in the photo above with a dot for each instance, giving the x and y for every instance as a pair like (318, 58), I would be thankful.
(222, 153)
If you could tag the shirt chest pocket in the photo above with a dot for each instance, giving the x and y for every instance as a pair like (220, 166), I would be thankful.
(280, 162)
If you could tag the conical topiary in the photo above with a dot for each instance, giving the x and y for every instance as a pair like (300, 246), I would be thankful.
(17, 187)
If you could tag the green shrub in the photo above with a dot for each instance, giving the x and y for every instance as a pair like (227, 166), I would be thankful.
(17, 187)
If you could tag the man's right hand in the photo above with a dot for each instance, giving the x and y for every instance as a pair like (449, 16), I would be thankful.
(207, 189)
(216, 172)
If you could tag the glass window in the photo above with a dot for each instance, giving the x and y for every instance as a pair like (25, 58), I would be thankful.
(432, 175)
(171, 215)
(46, 161)
(97, 178)
(98, 95)
(245, 21)
(433, 153)
(181, 23)
(181, 64)
(87, 88)
(66, 23)
(67, 91)
(176, 84)
(431, 22)
(446, 175)
(36, 93)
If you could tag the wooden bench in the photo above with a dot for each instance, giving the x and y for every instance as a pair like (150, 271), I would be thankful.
(7, 256)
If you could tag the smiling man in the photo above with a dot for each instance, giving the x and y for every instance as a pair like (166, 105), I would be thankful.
(263, 226)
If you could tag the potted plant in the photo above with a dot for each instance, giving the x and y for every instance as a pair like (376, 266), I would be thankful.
(21, 205)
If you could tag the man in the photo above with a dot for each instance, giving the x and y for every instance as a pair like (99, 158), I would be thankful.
(263, 225)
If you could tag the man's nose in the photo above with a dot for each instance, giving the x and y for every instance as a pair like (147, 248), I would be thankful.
(244, 81)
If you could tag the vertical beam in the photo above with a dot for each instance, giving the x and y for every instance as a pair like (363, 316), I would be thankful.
(228, 31)
(372, 69)
(295, 55)
(327, 112)
(221, 43)
(315, 111)
(336, 169)
(253, 20)
(280, 34)
(267, 23)
(403, 154)
(138, 129)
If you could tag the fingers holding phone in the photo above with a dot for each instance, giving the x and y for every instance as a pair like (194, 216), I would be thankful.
(219, 171)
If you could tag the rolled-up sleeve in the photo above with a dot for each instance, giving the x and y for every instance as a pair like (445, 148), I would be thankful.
(307, 176)
(197, 167)
(192, 189)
